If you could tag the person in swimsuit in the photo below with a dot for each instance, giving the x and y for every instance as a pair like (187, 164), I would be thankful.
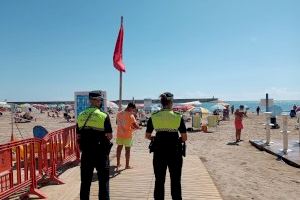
(238, 122)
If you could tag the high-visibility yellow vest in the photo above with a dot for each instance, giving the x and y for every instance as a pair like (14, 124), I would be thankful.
(166, 120)
(96, 120)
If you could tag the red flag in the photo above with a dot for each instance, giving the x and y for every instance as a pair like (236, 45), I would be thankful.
(117, 59)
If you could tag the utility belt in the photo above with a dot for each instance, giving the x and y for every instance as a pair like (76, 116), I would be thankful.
(96, 146)
(156, 146)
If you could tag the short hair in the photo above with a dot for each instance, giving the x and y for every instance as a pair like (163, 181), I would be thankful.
(131, 105)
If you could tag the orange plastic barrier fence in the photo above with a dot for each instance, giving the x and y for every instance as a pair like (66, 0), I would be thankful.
(21, 173)
(24, 163)
(59, 147)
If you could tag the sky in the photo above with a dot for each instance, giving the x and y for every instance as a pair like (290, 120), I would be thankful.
(232, 50)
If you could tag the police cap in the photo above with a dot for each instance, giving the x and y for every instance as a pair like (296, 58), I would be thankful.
(96, 94)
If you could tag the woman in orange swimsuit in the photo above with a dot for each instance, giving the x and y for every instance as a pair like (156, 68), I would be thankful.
(238, 124)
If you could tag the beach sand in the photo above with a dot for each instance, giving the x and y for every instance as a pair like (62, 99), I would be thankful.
(24, 130)
(239, 172)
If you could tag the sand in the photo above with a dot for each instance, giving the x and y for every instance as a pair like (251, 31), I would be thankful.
(239, 172)
(24, 130)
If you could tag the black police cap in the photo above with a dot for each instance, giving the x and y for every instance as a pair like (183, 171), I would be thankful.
(96, 94)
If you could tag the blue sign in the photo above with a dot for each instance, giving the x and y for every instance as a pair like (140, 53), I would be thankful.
(82, 103)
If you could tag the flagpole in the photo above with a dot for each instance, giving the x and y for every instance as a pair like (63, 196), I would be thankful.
(120, 88)
(120, 92)
(12, 137)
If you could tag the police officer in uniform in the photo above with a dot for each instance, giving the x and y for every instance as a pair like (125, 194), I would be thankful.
(94, 135)
(167, 147)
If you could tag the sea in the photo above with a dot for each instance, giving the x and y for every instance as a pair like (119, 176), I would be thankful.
(285, 105)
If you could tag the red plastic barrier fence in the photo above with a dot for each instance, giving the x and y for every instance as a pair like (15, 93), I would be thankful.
(18, 168)
(24, 163)
(59, 147)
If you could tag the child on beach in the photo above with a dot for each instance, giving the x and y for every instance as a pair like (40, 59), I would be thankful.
(238, 124)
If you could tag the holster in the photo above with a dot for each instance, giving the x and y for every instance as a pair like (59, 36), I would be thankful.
(152, 145)
(108, 147)
(181, 147)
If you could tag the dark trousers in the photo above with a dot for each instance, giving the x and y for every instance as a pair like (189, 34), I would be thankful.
(89, 161)
(172, 160)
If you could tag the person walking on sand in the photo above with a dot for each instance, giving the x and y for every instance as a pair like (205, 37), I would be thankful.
(232, 109)
(257, 110)
(94, 135)
(167, 147)
(238, 124)
(126, 123)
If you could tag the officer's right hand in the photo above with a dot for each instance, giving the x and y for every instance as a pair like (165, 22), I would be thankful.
(109, 136)
(183, 137)
(148, 136)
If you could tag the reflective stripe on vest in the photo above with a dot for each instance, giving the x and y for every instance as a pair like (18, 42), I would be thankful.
(166, 120)
(96, 120)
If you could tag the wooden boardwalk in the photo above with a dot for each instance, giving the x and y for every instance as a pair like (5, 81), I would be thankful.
(138, 183)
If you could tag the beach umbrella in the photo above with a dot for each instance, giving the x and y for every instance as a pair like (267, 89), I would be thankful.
(139, 105)
(217, 107)
(52, 105)
(111, 104)
(154, 108)
(61, 105)
(200, 110)
(182, 108)
(25, 105)
(297, 109)
(4, 105)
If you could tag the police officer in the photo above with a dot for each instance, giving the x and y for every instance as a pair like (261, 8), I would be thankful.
(94, 135)
(167, 147)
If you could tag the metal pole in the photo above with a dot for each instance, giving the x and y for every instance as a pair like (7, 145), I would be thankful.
(268, 131)
(298, 121)
(285, 133)
(120, 92)
(267, 102)
(12, 122)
